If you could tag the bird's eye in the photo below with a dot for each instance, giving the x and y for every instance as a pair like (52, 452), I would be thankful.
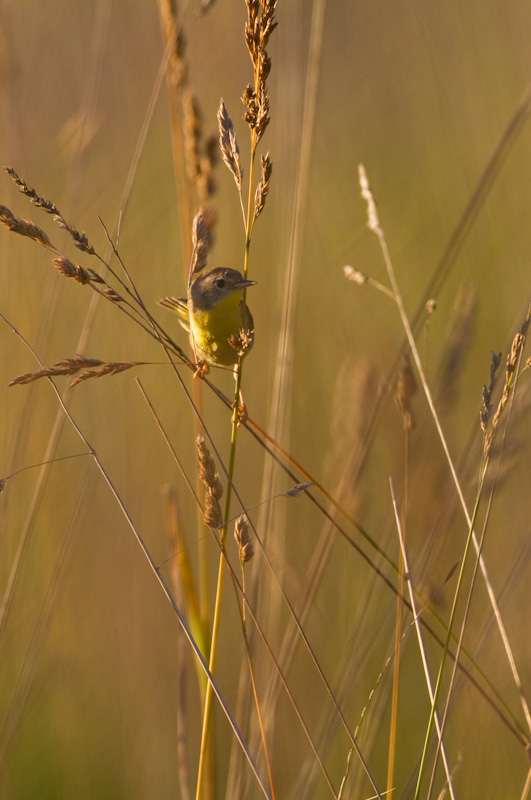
(220, 283)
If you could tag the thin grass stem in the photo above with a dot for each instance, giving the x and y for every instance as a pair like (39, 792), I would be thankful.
(374, 225)
(422, 649)
(195, 647)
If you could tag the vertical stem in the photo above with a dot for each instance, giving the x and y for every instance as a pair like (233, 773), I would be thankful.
(398, 637)
(232, 458)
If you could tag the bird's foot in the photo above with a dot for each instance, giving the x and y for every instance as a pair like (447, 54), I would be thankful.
(240, 415)
(201, 369)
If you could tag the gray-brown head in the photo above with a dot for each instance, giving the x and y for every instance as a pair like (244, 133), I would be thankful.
(213, 285)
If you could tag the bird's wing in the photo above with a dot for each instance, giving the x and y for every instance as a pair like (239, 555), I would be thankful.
(179, 306)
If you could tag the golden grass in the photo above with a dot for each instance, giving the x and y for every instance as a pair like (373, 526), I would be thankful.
(281, 686)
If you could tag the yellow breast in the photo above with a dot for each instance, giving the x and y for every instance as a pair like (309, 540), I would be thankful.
(211, 329)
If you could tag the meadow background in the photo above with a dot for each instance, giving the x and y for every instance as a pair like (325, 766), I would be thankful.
(92, 657)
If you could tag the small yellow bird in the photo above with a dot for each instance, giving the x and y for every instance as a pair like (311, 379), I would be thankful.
(213, 313)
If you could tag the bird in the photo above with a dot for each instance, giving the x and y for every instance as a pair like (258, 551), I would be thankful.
(213, 312)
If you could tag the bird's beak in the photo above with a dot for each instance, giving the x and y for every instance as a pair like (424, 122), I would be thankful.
(243, 284)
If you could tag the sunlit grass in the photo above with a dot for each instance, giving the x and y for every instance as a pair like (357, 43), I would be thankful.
(100, 694)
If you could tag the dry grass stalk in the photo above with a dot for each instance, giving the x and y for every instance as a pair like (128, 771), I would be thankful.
(373, 220)
(192, 127)
(243, 540)
(185, 591)
(176, 77)
(200, 242)
(486, 407)
(107, 368)
(242, 341)
(354, 275)
(230, 152)
(212, 514)
(94, 368)
(257, 110)
(177, 68)
(193, 160)
(80, 238)
(258, 28)
(208, 474)
(262, 190)
(298, 489)
(113, 295)
(200, 158)
(205, 182)
(510, 372)
(360, 279)
(62, 264)
(406, 386)
(68, 269)
(23, 227)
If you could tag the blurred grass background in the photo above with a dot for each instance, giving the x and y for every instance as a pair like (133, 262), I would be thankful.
(419, 93)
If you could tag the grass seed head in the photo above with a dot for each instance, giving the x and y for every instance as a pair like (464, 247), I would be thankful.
(242, 341)
(212, 514)
(405, 389)
(230, 151)
(243, 540)
(23, 227)
(207, 468)
(80, 238)
(192, 125)
(200, 242)
(486, 408)
(373, 221)
(262, 190)
(355, 275)
(68, 269)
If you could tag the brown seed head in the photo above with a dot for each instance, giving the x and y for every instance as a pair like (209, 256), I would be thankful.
(373, 221)
(207, 468)
(80, 239)
(355, 275)
(242, 341)
(23, 226)
(405, 389)
(513, 359)
(230, 151)
(200, 242)
(486, 408)
(68, 269)
(298, 489)
(212, 514)
(192, 133)
(243, 540)
(262, 190)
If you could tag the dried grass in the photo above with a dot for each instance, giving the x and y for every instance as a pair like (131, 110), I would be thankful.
(80, 238)
(94, 368)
